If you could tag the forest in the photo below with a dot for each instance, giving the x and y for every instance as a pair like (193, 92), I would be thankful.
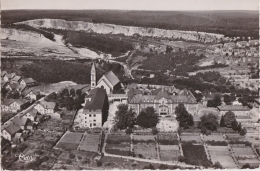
(54, 71)
(229, 23)
(94, 41)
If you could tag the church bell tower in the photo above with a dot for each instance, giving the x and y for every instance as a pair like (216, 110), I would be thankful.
(93, 76)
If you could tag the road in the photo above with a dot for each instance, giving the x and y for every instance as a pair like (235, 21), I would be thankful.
(20, 114)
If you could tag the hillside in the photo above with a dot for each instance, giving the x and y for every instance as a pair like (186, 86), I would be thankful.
(229, 23)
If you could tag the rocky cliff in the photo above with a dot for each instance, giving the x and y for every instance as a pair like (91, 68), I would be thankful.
(126, 30)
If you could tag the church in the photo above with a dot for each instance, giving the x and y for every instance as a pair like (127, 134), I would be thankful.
(109, 81)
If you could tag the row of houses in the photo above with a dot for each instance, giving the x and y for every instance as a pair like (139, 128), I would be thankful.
(26, 121)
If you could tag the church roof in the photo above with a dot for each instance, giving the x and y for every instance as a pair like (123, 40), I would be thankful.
(98, 96)
(112, 78)
(93, 68)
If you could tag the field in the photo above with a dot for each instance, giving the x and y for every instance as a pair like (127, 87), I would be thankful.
(235, 137)
(90, 142)
(168, 139)
(145, 150)
(118, 144)
(143, 138)
(169, 152)
(221, 154)
(213, 137)
(70, 141)
(190, 138)
(194, 154)
(243, 151)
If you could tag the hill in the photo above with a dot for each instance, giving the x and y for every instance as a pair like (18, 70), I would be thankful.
(229, 23)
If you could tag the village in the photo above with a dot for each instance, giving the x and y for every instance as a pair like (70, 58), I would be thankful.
(89, 126)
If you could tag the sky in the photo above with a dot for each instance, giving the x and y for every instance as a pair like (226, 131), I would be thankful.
(158, 5)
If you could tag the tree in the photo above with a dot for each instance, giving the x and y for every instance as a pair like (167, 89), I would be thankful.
(163, 167)
(216, 100)
(99, 163)
(222, 121)
(209, 121)
(239, 127)
(245, 166)
(147, 118)
(183, 117)
(234, 125)
(227, 99)
(243, 131)
(124, 118)
(229, 117)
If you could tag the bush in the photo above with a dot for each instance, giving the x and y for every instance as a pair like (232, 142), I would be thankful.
(71, 156)
(181, 159)
(99, 163)
(68, 161)
(163, 167)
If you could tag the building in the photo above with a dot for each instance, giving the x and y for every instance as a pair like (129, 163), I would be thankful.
(164, 102)
(31, 94)
(31, 114)
(14, 105)
(95, 111)
(236, 109)
(44, 107)
(16, 79)
(28, 82)
(11, 86)
(8, 77)
(9, 131)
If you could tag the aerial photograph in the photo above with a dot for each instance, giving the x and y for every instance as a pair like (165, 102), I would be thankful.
(130, 84)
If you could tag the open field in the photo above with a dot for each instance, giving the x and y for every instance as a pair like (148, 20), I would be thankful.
(90, 142)
(70, 141)
(221, 154)
(169, 152)
(243, 151)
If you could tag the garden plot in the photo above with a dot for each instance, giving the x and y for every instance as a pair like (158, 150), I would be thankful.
(235, 137)
(90, 142)
(213, 138)
(222, 155)
(118, 144)
(252, 162)
(169, 152)
(194, 154)
(190, 138)
(145, 150)
(144, 146)
(243, 151)
(167, 138)
(70, 141)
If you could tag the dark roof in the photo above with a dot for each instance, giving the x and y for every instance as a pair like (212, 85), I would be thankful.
(7, 102)
(13, 85)
(28, 80)
(97, 99)
(233, 108)
(12, 128)
(132, 92)
(3, 73)
(21, 121)
(112, 78)
(21, 101)
(48, 105)
(162, 94)
(16, 78)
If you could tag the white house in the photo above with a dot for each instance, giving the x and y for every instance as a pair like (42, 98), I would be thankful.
(44, 107)
(27, 82)
(9, 131)
(13, 105)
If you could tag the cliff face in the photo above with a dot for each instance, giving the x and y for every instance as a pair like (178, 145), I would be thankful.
(24, 36)
(126, 30)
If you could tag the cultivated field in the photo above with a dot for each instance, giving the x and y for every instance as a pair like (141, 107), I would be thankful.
(213, 137)
(70, 141)
(222, 155)
(194, 154)
(118, 144)
(169, 152)
(90, 142)
(167, 139)
(145, 150)
(190, 138)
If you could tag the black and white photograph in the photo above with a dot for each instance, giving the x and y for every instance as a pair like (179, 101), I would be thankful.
(130, 84)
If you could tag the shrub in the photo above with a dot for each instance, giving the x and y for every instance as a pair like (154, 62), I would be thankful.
(163, 167)
(99, 163)
(68, 161)
(71, 156)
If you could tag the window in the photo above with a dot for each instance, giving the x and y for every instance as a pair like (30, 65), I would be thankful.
(85, 117)
(94, 115)
(90, 125)
(94, 120)
(90, 115)
(85, 121)
(94, 124)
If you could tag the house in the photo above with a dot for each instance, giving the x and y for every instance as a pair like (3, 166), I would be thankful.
(253, 42)
(14, 105)
(22, 122)
(95, 111)
(20, 88)
(44, 107)
(9, 131)
(11, 86)
(8, 77)
(4, 84)
(31, 114)
(242, 44)
(16, 79)
(238, 110)
(28, 82)
(31, 94)
(3, 73)
(164, 102)
(109, 81)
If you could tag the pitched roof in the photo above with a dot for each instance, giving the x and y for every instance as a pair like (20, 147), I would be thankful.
(3, 73)
(16, 78)
(33, 112)
(34, 90)
(97, 99)
(48, 105)
(20, 101)
(12, 128)
(9, 76)
(13, 85)
(7, 102)
(20, 121)
(93, 68)
(132, 92)
(112, 78)
(28, 80)
(21, 87)
(233, 108)
(162, 94)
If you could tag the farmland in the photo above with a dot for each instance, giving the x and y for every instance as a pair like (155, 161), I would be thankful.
(144, 146)
(90, 142)
(189, 137)
(221, 154)
(169, 152)
(168, 139)
(195, 154)
(118, 144)
(70, 141)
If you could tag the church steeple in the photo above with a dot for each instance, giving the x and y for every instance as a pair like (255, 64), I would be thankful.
(93, 76)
